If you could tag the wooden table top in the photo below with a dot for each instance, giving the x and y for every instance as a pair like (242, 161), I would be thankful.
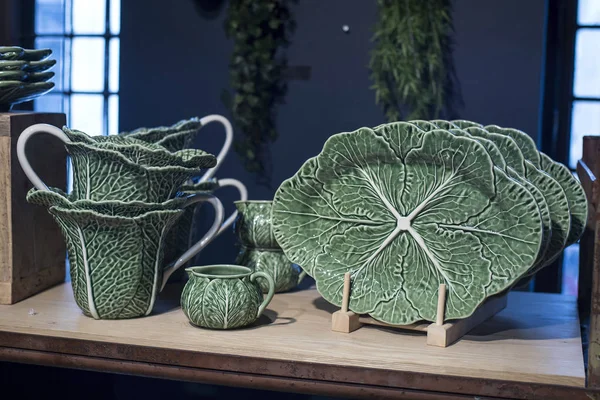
(535, 340)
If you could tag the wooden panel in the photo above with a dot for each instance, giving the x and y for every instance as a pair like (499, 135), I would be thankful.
(5, 220)
(33, 256)
(536, 339)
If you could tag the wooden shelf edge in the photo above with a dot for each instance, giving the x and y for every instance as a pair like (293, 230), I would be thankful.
(112, 357)
(215, 377)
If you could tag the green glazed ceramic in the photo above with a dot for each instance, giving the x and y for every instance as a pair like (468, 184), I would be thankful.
(551, 205)
(39, 66)
(174, 137)
(181, 135)
(10, 65)
(115, 250)
(39, 76)
(285, 274)
(224, 296)
(101, 174)
(142, 153)
(12, 75)
(576, 198)
(253, 225)
(16, 92)
(19, 53)
(403, 210)
(187, 229)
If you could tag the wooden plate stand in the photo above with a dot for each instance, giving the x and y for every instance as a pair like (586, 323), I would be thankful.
(439, 333)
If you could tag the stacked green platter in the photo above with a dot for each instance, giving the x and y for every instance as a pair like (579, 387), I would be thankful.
(24, 75)
(406, 206)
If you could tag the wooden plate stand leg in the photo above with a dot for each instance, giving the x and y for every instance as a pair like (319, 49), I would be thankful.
(439, 333)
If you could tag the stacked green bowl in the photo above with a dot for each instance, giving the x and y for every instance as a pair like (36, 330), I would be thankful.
(24, 75)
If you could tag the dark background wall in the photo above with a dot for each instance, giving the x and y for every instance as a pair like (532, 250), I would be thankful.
(174, 65)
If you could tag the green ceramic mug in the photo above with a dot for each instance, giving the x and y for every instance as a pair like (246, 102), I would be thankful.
(224, 296)
(253, 224)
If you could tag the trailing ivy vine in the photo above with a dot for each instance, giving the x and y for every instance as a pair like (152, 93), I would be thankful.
(260, 29)
(411, 64)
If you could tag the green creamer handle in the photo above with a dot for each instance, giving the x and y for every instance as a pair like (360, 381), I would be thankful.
(269, 297)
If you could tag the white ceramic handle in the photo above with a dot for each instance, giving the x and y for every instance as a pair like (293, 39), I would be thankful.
(243, 196)
(22, 141)
(206, 239)
(228, 140)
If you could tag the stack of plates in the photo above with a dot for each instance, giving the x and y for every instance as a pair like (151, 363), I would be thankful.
(407, 206)
(24, 75)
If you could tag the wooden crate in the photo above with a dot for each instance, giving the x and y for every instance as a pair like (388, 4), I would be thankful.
(32, 249)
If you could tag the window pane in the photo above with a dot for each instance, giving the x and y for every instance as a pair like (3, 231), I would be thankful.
(113, 72)
(585, 120)
(49, 103)
(113, 114)
(89, 16)
(587, 63)
(115, 17)
(87, 113)
(87, 64)
(68, 16)
(588, 12)
(49, 16)
(57, 53)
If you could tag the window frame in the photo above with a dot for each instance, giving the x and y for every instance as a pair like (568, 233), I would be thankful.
(67, 36)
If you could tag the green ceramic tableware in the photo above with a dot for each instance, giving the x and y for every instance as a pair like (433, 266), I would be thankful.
(16, 92)
(174, 137)
(253, 225)
(116, 249)
(39, 66)
(38, 76)
(187, 229)
(181, 135)
(12, 65)
(104, 174)
(403, 210)
(285, 274)
(19, 53)
(224, 296)
(12, 75)
(142, 153)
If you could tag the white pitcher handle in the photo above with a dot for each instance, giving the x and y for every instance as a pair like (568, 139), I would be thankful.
(228, 140)
(243, 196)
(22, 141)
(208, 237)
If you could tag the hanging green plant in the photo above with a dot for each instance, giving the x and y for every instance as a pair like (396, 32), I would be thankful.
(260, 30)
(411, 64)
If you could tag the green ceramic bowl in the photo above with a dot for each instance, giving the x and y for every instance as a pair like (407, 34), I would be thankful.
(174, 137)
(102, 174)
(142, 153)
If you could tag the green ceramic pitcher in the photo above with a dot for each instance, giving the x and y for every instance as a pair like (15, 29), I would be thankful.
(116, 249)
(224, 296)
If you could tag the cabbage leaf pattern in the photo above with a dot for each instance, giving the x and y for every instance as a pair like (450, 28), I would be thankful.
(404, 210)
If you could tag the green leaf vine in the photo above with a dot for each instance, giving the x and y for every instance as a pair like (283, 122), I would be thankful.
(260, 30)
(411, 64)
